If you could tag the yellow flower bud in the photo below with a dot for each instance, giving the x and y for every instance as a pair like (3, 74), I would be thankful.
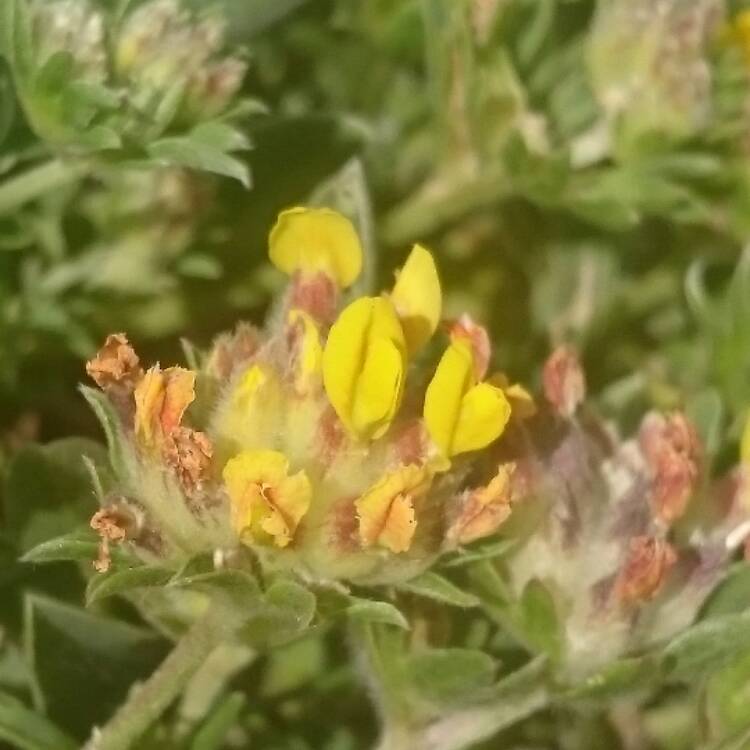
(363, 366)
(387, 513)
(417, 298)
(462, 415)
(266, 502)
(308, 351)
(314, 240)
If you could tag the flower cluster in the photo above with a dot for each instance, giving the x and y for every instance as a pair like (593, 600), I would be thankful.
(315, 443)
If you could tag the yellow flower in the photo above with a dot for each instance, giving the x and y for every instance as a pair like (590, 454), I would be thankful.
(387, 514)
(161, 398)
(313, 240)
(521, 401)
(417, 298)
(363, 366)
(308, 351)
(462, 415)
(265, 500)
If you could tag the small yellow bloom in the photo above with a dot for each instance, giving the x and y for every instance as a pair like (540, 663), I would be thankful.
(265, 500)
(387, 513)
(161, 398)
(363, 366)
(313, 240)
(308, 350)
(417, 298)
(745, 442)
(484, 509)
(521, 401)
(462, 415)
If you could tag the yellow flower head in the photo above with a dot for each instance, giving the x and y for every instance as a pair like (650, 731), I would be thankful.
(266, 502)
(363, 366)
(161, 398)
(387, 512)
(315, 240)
(460, 414)
(417, 298)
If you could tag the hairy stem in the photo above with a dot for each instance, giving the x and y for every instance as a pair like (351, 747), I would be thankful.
(149, 700)
(35, 182)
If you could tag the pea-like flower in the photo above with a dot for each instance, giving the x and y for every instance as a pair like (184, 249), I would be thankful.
(306, 442)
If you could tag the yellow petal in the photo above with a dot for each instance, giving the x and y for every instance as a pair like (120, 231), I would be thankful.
(161, 398)
(386, 511)
(442, 405)
(316, 239)
(417, 298)
(484, 414)
(309, 350)
(264, 499)
(745, 442)
(363, 366)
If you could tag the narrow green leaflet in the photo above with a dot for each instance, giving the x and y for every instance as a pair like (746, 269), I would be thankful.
(123, 581)
(707, 646)
(187, 151)
(25, 729)
(450, 675)
(382, 613)
(434, 586)
(84, 664)
(77, 546)
(212, 733)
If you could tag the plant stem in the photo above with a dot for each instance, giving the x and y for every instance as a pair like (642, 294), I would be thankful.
(37, 181)
(148, 701)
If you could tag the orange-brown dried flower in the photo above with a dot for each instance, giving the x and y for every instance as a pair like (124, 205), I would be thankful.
(112, 524)
(672, 451)
(116, 365)
(188, 452)
(646, 567)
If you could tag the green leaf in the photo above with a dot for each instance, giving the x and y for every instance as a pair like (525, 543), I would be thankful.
(538, 618)
(16, 38)
(77, 546)
(48, 490)
(451, 675)
(27, 730)
(110, 423)
(707, 646)
(706, 410)
(434, 586)
(116, 581)
(219, 135)
(186, 151)
(237, 585)
(728, 696)
(481, 552)
(212, 733)
(732, 595)
(287, 610)
(615, 679)
(84, 663)
(382, 613)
